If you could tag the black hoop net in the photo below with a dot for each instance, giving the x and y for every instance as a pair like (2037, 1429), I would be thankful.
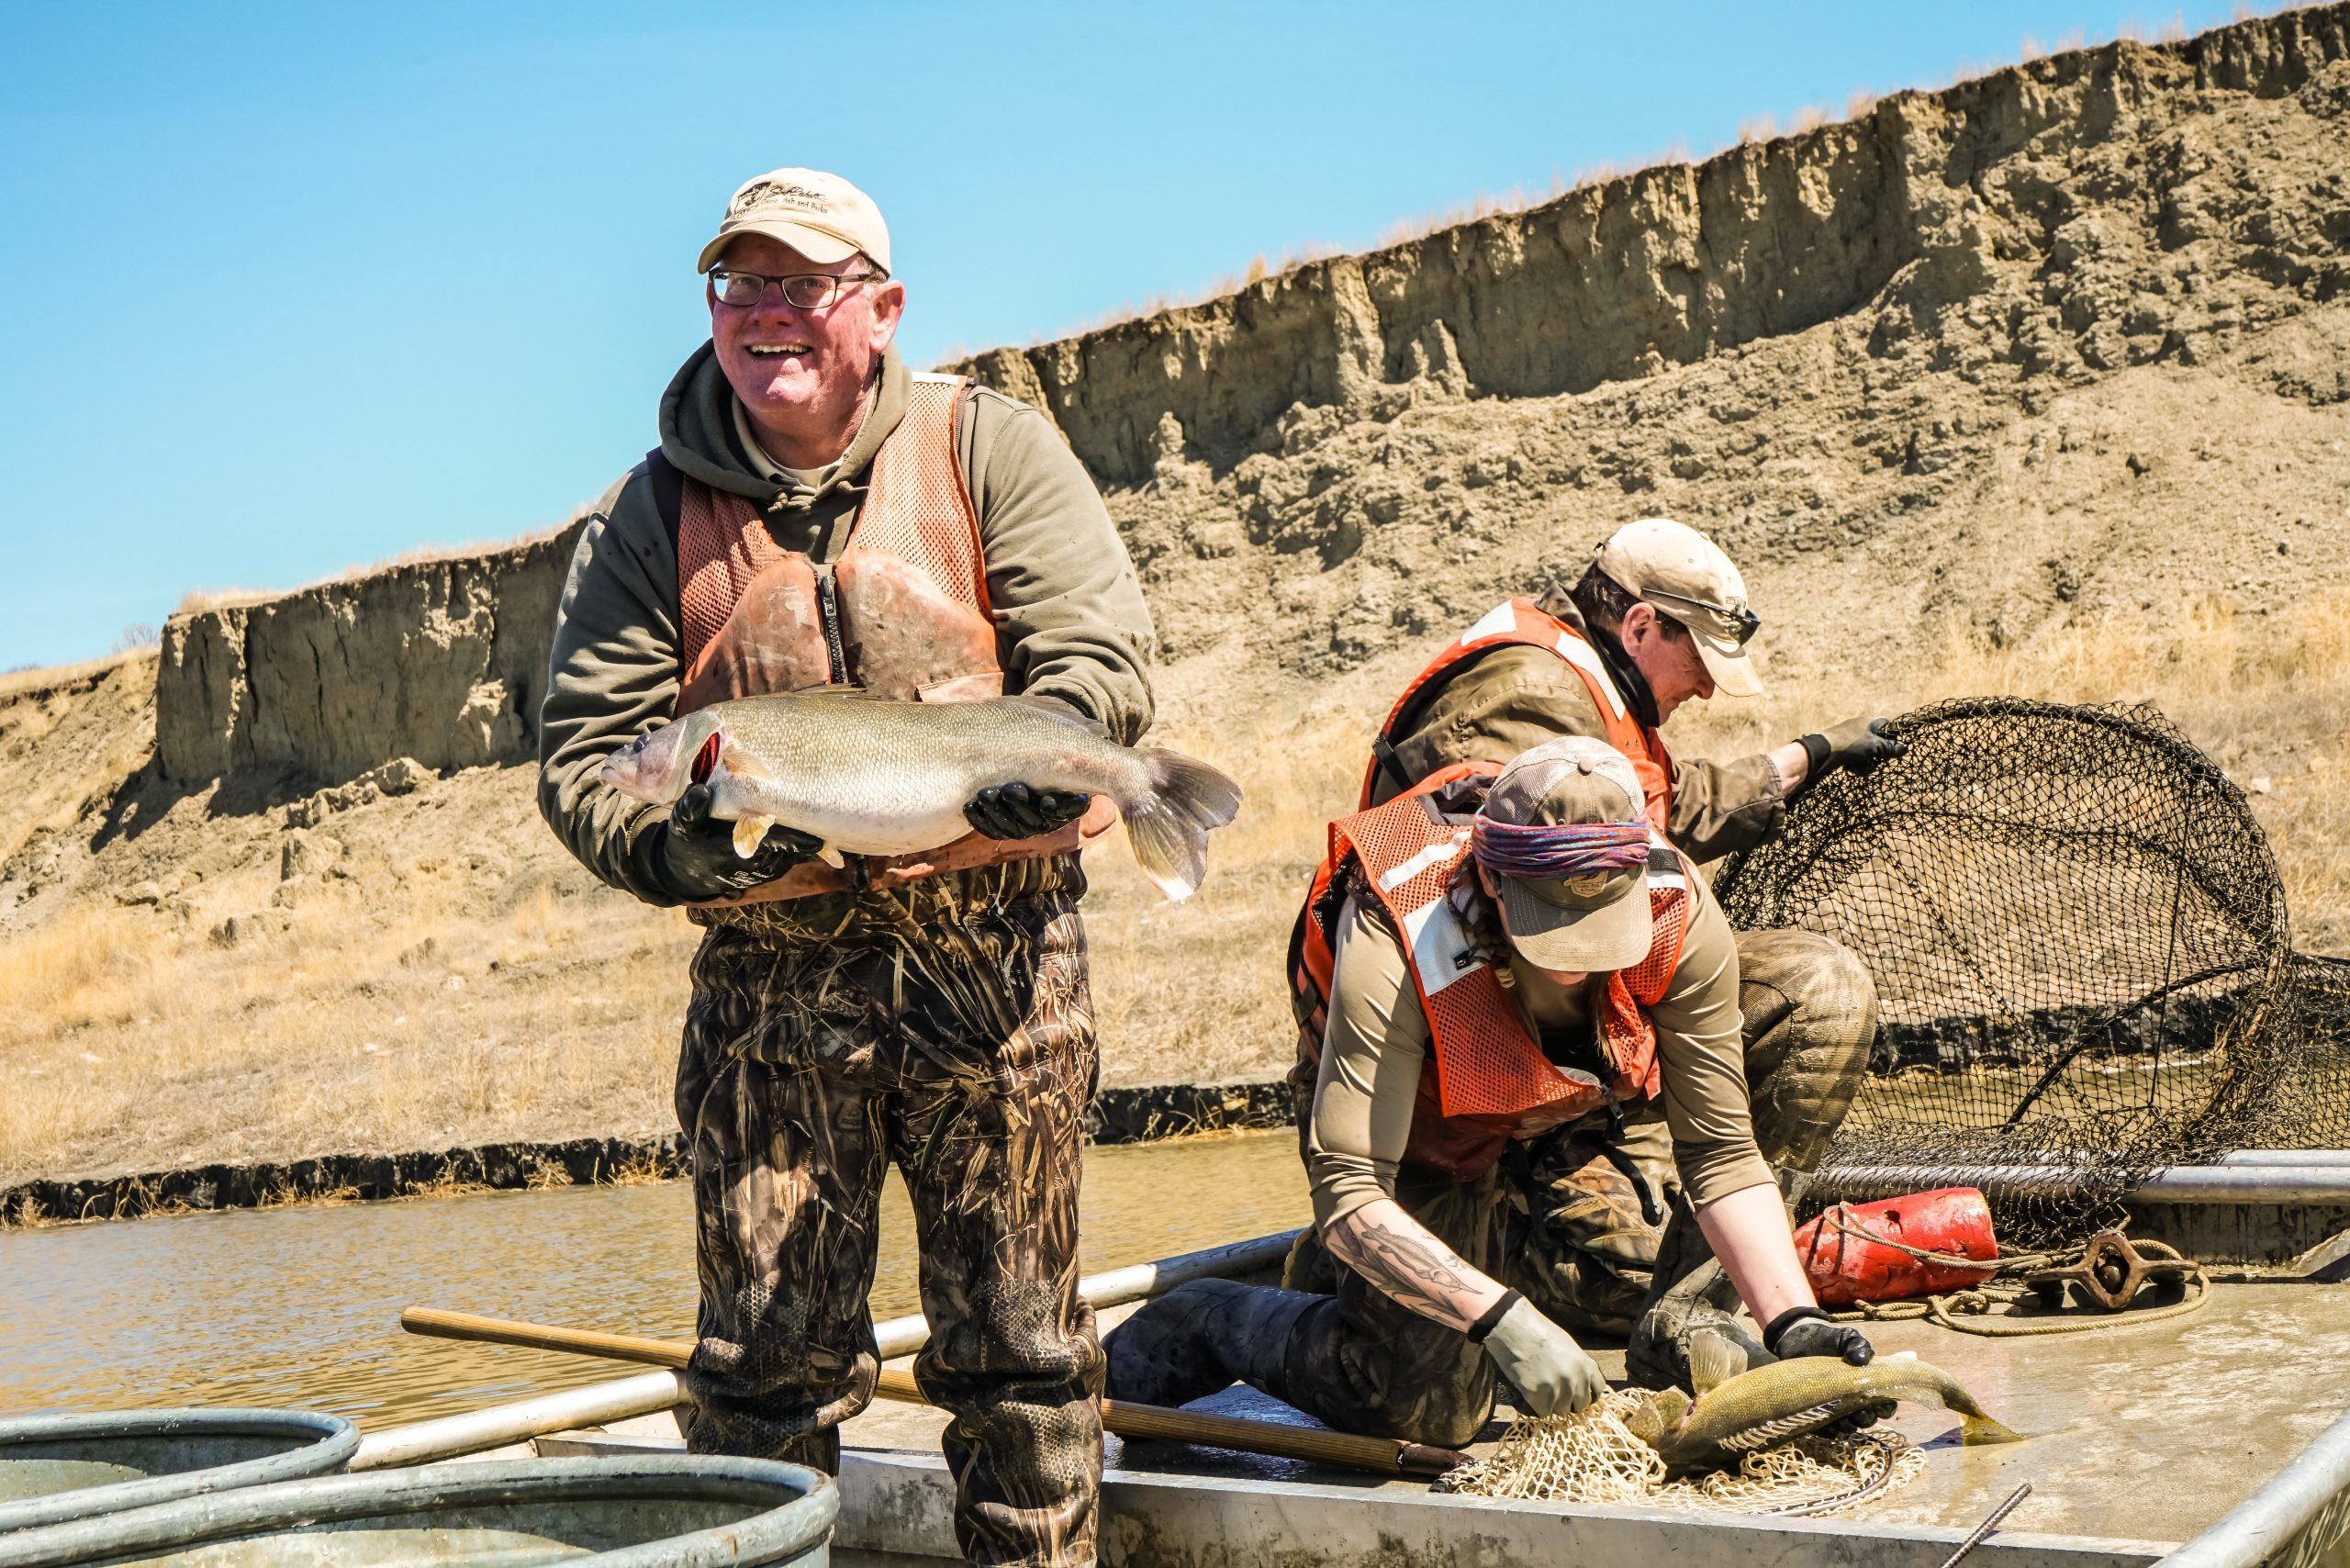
(2083, 963)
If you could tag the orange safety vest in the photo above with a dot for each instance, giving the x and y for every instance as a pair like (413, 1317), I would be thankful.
(1513, 623)
(903, 613)
(1518, 622)
(1486, 1079)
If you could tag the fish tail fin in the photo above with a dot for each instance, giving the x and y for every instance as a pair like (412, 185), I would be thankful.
(1168, 822)
(1973, 1430)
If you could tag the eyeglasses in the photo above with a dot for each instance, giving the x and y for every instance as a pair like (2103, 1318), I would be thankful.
(801, 291)
(1743, 621)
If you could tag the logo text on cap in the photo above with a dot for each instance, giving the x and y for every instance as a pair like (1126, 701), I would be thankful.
(762, 192)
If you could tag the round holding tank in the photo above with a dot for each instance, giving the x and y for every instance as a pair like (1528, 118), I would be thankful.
(55, 1468)
(651, 1511)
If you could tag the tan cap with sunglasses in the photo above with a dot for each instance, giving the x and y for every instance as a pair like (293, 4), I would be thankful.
(820, 216)
(1684, 574)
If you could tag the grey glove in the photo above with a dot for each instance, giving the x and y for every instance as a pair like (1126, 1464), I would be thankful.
(1016, 811)
(1551, 1373)
(696, 859)
(1857, 743)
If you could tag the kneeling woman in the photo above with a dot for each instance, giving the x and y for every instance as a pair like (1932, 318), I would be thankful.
(1493, 977)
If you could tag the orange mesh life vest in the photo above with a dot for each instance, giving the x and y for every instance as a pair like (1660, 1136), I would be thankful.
(902, 613)
(1487, 1079)
(1518, 622)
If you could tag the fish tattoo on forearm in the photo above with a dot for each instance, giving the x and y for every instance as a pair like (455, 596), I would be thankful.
(1418, 1270)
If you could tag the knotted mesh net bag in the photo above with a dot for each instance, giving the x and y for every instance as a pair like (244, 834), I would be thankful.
(1594, 1456)
(2084, 967)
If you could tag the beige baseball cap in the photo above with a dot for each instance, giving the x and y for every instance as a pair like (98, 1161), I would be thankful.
(1595, 922)
(820, 216)
(1686, 576)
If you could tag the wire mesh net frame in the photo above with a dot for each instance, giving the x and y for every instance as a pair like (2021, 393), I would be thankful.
(2084, 965)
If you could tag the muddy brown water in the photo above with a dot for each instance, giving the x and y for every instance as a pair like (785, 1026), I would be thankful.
(300, 1307)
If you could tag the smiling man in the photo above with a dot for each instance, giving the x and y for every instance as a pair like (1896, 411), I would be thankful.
(816, 515)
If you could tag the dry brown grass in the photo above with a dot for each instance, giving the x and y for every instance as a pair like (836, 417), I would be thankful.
(1197, 991)
(412, 1004)
(197, 601)
(430, 999)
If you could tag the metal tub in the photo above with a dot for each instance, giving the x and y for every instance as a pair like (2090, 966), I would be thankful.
(694, 1511)
(55, 1468)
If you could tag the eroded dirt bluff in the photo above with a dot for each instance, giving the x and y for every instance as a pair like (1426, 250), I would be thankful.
(2066, 339)
(2045, 341)
(441, 660)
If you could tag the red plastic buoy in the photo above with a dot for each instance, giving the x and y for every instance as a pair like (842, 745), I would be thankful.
(1848, 1254)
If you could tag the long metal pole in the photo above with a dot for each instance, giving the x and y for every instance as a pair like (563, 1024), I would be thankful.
(2325, 1157)
(622, 1399)
(499, 1425)
(2238, 1184)
(2309, 1492)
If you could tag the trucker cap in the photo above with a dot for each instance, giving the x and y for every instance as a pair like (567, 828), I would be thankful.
(1686, 576)
(820, 216)
(1594, 918)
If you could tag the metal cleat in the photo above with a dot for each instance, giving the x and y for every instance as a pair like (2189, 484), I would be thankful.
(2111, 1272)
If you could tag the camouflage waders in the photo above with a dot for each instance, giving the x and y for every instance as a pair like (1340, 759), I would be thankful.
(1583, 1246)
(1558, 1218)
(1585, 1250)
(946, 1026)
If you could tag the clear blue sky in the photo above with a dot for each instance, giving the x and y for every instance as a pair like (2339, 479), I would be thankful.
(289, 287)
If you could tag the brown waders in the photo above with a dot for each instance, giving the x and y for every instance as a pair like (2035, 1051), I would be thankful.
(1340, 1351)
(945, 1026)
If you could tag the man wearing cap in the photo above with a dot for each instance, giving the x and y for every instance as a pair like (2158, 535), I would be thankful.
(816, 515)
(1660, 617)
(1664, 613)
(1564, 960)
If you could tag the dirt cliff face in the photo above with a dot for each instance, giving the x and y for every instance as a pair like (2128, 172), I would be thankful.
(2040, 384)
(1895, 342)
(442, 661)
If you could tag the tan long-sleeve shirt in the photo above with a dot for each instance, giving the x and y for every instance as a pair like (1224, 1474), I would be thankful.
(1377, 1042)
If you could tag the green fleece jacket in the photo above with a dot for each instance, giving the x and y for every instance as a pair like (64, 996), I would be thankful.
(1070, 621)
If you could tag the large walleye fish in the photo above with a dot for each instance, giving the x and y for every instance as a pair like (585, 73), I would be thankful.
(874, 776)
(1785, 1400)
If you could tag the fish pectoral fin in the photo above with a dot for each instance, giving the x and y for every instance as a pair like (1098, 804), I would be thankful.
(748, 831)
(1657, 1415)
(1714, 1358)
(743, 763)
(832, 856)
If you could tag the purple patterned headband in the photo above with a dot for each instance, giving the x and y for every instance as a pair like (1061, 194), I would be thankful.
(1567, 850)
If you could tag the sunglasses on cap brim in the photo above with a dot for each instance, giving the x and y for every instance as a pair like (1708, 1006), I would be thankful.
(1744, 622)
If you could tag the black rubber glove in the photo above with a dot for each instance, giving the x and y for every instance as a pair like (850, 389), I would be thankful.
(697, 859)
(1806, 1331)
(1015, 811)
(1857, 743)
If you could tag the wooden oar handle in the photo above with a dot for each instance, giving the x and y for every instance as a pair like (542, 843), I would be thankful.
(444, 1325)
(1383, 1456)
